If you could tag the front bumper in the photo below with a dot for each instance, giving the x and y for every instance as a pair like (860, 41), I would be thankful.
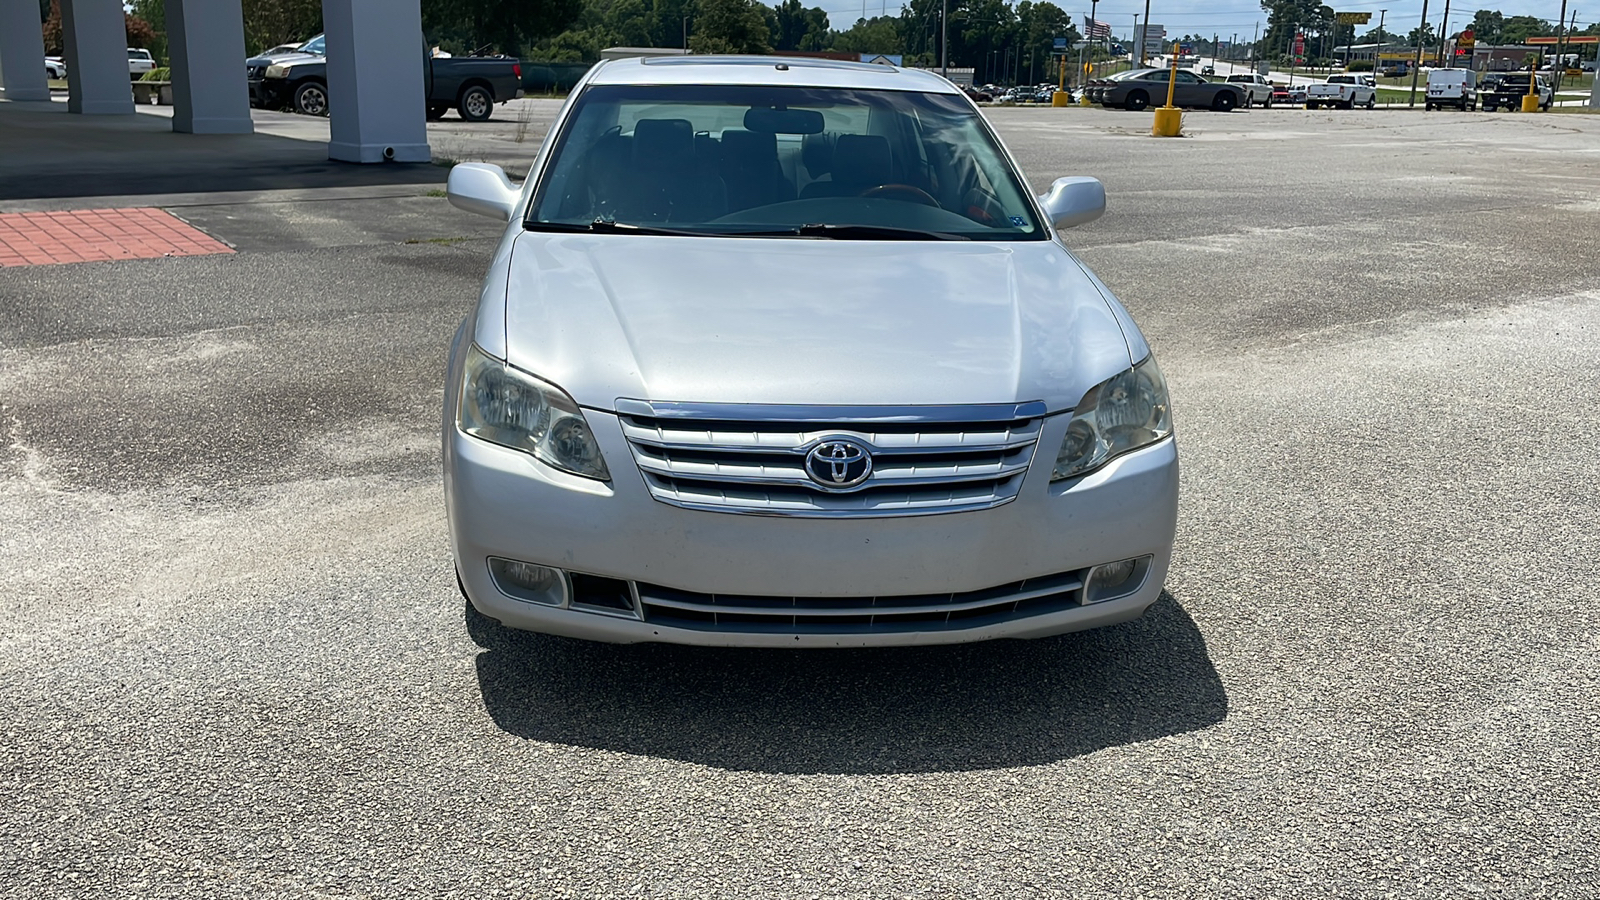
(504, 504)
(270, 93)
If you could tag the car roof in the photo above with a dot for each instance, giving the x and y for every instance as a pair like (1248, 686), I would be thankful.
(765, 70)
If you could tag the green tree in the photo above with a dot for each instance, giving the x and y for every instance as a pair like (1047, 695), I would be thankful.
(731, 26)
(879, 34)
(1519, 28)
(1487, 26)
(1039, 24)
(799, 28)
(502, 25)
(1422, 36)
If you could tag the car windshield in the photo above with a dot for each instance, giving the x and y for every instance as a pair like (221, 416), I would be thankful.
(1135, 73)
(780, 160)
(316, 45)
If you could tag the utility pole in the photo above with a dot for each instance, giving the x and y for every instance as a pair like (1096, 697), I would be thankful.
(1416, 67)
(1253, 42)
(1561, 49)
(1144, 33)
(944, 40)
(1378, 50)
(1444, 29)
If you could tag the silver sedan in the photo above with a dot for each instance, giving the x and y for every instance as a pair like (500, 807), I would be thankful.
(784, 353)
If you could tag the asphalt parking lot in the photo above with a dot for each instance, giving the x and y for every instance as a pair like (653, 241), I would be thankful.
(233, 660)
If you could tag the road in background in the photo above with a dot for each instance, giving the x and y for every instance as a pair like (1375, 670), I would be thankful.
(233, 661)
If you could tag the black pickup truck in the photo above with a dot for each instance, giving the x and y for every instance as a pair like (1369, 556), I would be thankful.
(1506, 90)
(470, 84)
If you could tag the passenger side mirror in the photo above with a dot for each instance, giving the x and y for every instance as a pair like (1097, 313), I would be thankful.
(1074, 201)
(483, 189)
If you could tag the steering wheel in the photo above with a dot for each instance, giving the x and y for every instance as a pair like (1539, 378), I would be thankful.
(901, 192)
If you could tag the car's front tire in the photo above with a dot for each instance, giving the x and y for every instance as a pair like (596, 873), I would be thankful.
(311, 98)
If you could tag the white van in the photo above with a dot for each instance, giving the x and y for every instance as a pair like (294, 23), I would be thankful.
(1452, 87)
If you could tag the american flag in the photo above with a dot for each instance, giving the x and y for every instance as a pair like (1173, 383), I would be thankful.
(1097, 30)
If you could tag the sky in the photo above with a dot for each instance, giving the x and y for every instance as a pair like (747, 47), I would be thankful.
(1228, 17)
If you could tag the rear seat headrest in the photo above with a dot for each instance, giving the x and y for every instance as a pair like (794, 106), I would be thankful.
(816, 152)
(662, 140)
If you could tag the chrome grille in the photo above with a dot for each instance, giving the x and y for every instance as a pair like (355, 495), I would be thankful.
(752, 459)
(860, 615)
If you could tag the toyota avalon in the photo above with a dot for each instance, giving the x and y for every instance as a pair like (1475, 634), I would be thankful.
(785, 352)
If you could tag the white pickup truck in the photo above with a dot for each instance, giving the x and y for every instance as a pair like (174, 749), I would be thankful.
(1257, 89)
(1343, 92)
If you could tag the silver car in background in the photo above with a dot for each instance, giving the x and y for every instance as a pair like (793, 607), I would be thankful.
(784, 353)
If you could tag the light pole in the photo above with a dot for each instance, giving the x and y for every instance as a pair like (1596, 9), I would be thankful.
(686, 34)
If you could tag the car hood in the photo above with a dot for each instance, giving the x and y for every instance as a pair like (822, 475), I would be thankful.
(798, 321)
(284, 59)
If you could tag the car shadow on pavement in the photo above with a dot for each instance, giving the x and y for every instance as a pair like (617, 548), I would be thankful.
(922, 709)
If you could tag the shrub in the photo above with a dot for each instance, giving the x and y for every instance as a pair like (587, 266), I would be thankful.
(1359, 65)
(160, 73)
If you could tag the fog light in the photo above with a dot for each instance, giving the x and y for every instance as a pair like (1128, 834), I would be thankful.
(1114, 580)
(526, 581)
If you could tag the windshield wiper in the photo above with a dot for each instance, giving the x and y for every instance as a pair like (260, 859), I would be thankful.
(606, 226)
(875, 233)
(813, 230)
(853, 233)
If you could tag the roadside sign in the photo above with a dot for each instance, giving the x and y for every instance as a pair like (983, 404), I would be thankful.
(1186, 49)
(1352, 18)
(1570, 39)
(1465, 41)
(1060, 45)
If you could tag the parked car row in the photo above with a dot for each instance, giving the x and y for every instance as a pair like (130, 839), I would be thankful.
(1029, 93)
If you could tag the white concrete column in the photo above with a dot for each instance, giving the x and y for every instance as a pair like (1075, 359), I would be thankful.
(206, 41)
(22, 51)
(96, 41)
(375, 80)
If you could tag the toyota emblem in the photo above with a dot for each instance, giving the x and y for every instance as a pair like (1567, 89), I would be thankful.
(837, 464)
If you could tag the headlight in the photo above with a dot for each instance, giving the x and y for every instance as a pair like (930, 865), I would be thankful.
(1123, 413)
(514, 409)
(276, 71)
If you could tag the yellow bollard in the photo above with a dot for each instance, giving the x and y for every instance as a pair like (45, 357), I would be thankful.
(1169, 118)
(1168, 123)
(1530, 100)
(1060, 98)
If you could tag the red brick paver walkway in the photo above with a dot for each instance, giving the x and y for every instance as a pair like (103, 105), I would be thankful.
(81, 235)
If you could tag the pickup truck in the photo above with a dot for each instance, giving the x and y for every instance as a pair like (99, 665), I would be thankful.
(1257, 89)
(472, 85)
(1506, 90)
(1344, 92)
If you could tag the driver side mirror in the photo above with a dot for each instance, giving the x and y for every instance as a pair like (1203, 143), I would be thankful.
(1074, 201)
(483, 189)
